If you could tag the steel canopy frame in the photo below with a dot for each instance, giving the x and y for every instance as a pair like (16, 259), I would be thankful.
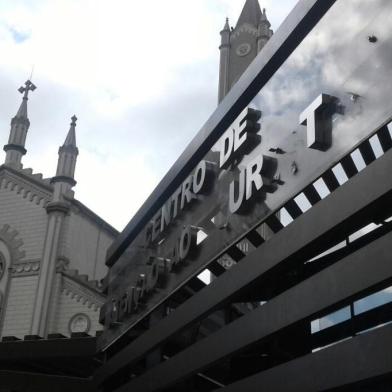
(295, 28)
(370, 348)
(332, 285)
(362, 195)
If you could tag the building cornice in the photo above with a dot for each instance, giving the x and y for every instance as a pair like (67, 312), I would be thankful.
(81, 293)
(35, 189)
(245, 28)
(57, 206)
(66, 179)
(26, 183)
(25, 268)
(16, 147)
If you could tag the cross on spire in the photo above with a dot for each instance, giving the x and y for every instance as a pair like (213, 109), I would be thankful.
(74, 119)
(25, 90)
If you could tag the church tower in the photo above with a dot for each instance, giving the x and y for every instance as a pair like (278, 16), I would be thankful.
(52, 247)
(240, 45)
(15, 149)
(68, 153)
(57, 210)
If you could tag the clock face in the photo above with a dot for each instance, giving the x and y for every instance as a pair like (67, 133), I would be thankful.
(243, 49)
(79, 323)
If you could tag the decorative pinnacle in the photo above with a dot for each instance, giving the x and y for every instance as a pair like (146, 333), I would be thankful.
(25, 90)
(70, 140)
(226, 26)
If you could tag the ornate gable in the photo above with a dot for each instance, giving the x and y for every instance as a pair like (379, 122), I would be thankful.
(30, 186)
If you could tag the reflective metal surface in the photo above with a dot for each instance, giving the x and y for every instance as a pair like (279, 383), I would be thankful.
(338, 59)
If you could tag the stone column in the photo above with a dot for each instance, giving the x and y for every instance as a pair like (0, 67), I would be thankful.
(56, 213)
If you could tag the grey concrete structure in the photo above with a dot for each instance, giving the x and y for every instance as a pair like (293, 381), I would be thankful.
(240, 45)
(52, 247)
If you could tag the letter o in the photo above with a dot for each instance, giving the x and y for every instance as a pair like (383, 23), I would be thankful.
(185, 243)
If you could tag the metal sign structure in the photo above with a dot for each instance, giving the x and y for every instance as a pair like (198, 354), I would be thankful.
(290, 180)
(308, 115)
(297, 130)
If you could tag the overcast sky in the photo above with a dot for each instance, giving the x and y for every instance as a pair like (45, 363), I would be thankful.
(141, 76)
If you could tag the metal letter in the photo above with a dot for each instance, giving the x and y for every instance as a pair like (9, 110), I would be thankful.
(187, 242)
(152, 274)
(241, 138)
(186, 194)
(156, 225)
(235, 205)
(253, 175)
(318, 119)
(166, 214)
(226, 147)
(175, 197)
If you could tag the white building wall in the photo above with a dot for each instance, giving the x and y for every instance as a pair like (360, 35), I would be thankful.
(19, 311)
(85, 244)
(25, 216)
(83, 241)
(70, 304)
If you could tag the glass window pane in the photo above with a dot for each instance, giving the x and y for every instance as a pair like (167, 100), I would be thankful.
(335, 318)
(331, 319)
(373, 301)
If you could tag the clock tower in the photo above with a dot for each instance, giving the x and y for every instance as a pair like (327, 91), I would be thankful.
(240, 45)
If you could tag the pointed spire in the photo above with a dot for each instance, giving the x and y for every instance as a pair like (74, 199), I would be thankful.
(70, 140)
(264, 19)
(15, 149)
(226, 27)
(68, 153)
(29, 86)
(264, 31)
(251, 13)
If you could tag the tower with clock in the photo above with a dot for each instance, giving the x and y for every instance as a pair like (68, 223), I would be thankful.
(240, 45)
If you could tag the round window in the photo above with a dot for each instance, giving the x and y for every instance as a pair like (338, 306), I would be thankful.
(79, 323)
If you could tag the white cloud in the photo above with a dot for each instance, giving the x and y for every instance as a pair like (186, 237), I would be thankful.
(141, 77)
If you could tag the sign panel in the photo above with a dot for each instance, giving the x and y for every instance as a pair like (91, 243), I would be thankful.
(325, 99)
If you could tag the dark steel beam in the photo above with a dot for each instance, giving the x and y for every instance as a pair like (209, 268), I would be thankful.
(333, 285)
(362, 322)
(364, 195)
(34, 382)
(297, 25)
(53, 348)
(361, 358)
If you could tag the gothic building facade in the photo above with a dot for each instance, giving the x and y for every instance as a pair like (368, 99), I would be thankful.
(241, 44)
(52, 247)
